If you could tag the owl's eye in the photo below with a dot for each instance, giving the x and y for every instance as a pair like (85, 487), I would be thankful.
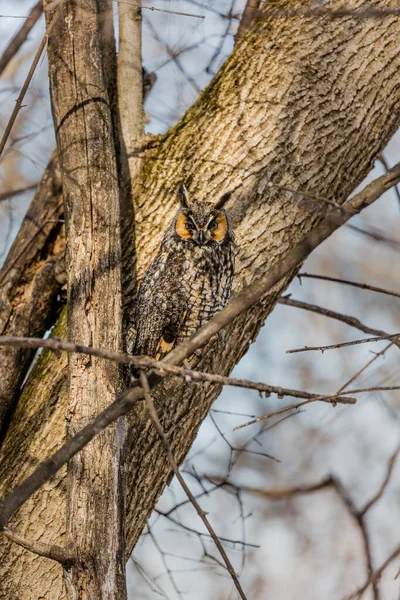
(213, 224)
(189, 225)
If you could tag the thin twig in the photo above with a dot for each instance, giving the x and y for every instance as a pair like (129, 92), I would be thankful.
(385, 482)
(375, 576)
(330, 398)
(319, 310)
(11, 193)
(163, 10)
(330, 13)
(363, 286)
(20, 37)
(344, 344)
(20, 99)
(153, 414)
(51, 551)
(283, 493)
(360, 371)
(383, 160)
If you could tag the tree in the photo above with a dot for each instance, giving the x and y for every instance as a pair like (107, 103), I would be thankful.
(288, 131)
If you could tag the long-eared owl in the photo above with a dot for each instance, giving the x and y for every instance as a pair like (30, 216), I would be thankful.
(189, 280)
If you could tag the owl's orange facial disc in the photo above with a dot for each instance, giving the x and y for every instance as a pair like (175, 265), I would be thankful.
(218, 227)
(184, 226)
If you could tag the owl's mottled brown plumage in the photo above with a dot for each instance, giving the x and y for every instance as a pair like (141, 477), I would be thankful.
(189, 280)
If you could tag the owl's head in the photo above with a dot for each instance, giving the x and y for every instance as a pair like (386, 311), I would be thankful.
(202, 223)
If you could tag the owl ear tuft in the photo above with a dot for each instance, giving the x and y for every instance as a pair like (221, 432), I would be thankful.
(183, 196)
(223, 200)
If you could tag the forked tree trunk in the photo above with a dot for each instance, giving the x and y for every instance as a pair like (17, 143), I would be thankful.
(302, 103)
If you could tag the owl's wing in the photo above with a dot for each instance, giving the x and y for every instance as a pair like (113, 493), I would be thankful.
(169, 334)
(160, 311)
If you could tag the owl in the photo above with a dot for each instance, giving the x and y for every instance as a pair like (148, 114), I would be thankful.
(189, 280)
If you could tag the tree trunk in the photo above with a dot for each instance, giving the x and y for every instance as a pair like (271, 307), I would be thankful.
(85, 142)
(305, 103)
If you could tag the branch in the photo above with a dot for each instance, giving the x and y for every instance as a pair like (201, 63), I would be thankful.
(283, 493)
(11, 193)
(21, 36)
(341, 12)
(249, 296)
(158, 366)
(375, 576)
(352, 321)
(249, 13)
(344, 344)
(331, 398)
(21, 96)
(20, 99)
(385, 482)
(200, 512)
(360, 371)
(163, 10)
(53, 552)
(363, 286)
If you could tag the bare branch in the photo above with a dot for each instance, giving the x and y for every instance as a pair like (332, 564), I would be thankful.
(341, 12)
(363, 286)
(360, 371)
(20, 99)
(249, 13)
(385, 482)
(51, 551)
(375, 576)
(283, 493)
(11, 193)
(200, 512)
(163, 10)
(331, 398)
(393, 336)
(352, 321)
(21, 36)
(158, 366)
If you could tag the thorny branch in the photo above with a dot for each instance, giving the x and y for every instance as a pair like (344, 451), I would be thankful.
(249, 296)
(175, 468)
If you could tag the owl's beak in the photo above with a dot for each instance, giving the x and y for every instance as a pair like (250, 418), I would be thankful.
(200, 237)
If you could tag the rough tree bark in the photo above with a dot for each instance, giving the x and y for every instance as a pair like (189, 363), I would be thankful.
(85, 142)
(276, 115)
(30, 280)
